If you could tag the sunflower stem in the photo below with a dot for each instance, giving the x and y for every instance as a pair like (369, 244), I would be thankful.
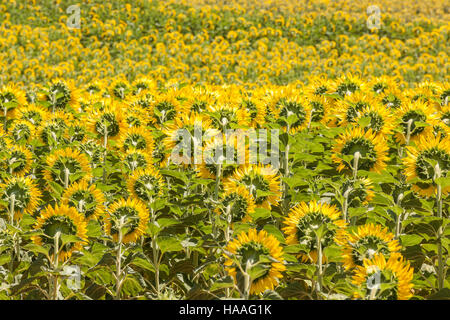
(441, 276)
(218, 177)
(155, 252)
(5, 121)
(55, 292)
(345, 205)
(12, 204)
(356, 157)
(119, 258)
(319, 265)
(66, 177)
(105, 146)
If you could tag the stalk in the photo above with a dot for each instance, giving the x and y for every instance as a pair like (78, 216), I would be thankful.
(345, 205)
(218, 176)
(440, 230)
(66, 177)
(319, 264)
(105, 145)
(356, 157)
(119, 260)
(155, 253)
(55, 292)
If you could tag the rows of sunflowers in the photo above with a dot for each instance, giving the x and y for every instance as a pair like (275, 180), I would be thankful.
(120, 178)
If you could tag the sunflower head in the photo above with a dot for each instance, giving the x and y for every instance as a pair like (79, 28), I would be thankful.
(293, 107)
(359, 191)
(18, 160)
(23, 192)
(383, 280)
(306, 220)
(426, 162)
(145, 184)
(415, 119)
(136, 159)
(238, 203)
(60, 220)
(257, 254)
(262, 182)
(61, 94)
(107, 121)
(139, 138)
(370, 149)
(66, 166)
(132, 213)
(366, 241)
(87, 199)
(22, 131)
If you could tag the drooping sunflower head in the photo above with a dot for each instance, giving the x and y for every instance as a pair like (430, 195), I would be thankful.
(119, 88)
(62, 220)
(166, 107)
(371, 150)
(25, 194)
(87, 199)
(145, 184)
(134, 217)
(107, 121)
(305, 219)
(143, 83)
(11, 98)
(238, 203)
(379, 119)
(379, 85)
(366, 241)
(187, 135)
(392, 98)
(251, 112)
(224, 115)
(22, 131)
(350, 108)
(359, 191)
(443, 93)
(426, 162)
(66, 166)
(51, 132)
(18, 161)
(228, 151)
(318, 86)
(33, 114)
(416, 119)
(347, 85)
(293, 106)
(76, 132)
(136, 159)
(61, 94)
(320, 108)
(444, 116)
(384, 280)
(262, 182)
(254, 250)
(139, 138)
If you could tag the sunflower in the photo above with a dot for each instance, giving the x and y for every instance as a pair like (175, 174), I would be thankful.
(229, 152)
(67, 163)
(366, 241)
(372, 150)
(166, 107)
(87, 199)
(18, 160)
(320, 108)
(444, 94)
(145, 184)
(22, 131)
(361, 191)
(305, 219)
(381, 120)
(188, 132)
(381, 84)
(349, 108)
(108, 121)
(224, 115)
(65, 220)
(347, 85)
(76, 132)
(391, 98)
(11, 98)
(249, 249)
(420, 165)
(444, 116)
(119, 88)
(136, 159)
(50, 132)
(318, 86)
(411, 114)
(139, 138)
(251, 113)
(61, 94)
(140, 109)
(135, 215)
(143, 84)
(33, 114)
(25, 192)
(293, 106)
(238, 203)
(262, 182)
(384, 280)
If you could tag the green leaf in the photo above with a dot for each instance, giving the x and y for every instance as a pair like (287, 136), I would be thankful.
(271, 229)
(409, 240)
(167, 244)
(5, 258)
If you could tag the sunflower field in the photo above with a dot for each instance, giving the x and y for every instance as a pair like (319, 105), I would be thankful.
(224, 149)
